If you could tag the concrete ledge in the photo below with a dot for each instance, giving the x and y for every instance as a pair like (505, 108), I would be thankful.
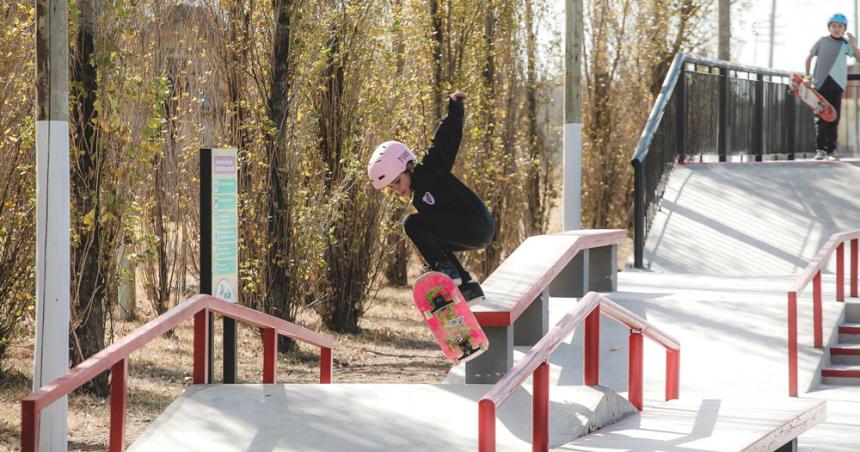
(371, 417)
(742, 424)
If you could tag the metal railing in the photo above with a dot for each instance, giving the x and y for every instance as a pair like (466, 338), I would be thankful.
(718, 109)
(535, 364)
(812, 272)
(115, 358)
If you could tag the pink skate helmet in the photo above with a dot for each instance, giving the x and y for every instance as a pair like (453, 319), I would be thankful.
(387, 162)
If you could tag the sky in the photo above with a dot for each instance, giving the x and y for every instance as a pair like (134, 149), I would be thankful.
(799, 23)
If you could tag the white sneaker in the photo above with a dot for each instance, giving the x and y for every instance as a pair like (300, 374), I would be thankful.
(820, 155)
(833, 156)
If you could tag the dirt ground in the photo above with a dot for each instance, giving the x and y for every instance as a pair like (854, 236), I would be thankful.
(393, 346)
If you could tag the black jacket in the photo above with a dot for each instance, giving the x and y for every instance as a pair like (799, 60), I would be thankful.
(436, 190)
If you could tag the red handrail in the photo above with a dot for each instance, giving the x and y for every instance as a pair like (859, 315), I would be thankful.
(812, 272)
(115, 358)
(535, 364)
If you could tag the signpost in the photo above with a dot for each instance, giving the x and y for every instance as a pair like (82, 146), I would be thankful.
(219, 244)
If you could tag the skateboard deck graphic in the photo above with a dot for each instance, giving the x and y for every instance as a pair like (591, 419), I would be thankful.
(446, 312)
(812, 98)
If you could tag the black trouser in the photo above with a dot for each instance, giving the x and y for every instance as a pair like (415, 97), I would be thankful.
(438, 235)
(825, 132)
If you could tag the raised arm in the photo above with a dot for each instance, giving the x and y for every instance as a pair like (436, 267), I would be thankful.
(853, 42)
(446, 141)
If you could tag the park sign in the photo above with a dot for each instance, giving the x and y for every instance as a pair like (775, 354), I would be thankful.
(219, 224)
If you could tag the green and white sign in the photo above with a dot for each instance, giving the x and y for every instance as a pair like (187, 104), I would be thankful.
(225, 224)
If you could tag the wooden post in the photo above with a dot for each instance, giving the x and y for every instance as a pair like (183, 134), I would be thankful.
(725, 27)
(53, 243)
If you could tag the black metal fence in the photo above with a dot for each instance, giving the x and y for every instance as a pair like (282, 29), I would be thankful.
(715, 110)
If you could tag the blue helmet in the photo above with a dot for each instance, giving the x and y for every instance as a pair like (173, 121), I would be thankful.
(839, 18)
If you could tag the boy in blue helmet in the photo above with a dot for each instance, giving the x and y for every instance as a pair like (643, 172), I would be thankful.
(829, 78)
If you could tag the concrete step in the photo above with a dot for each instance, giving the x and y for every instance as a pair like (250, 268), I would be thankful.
(845, 354)
(841, 374)
(849, 333)
(852, 312)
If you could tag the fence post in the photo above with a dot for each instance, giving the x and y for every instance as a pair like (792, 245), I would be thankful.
(200, 374)
(325, 365)
(29, 426)
(789, 125)
(270, 355)
(634, 369)
(540, 408)
(840, 272)
(792, 344)
(591, 373)
(816, 310)
(681, 119)
(673, 373)
(854, 267)
(486, 426)
(638, 213)
(118, 400)
(722, 129)
(758, 119)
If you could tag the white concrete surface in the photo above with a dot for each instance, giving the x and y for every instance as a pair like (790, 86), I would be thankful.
(712, 424)
(747, 219)
(365, 417)
(733, 335)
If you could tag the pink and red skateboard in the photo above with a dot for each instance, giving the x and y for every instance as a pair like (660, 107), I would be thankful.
(448, 315)
(811, 97)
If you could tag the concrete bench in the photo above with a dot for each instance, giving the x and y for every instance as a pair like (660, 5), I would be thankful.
(516, 309)
(737, 424)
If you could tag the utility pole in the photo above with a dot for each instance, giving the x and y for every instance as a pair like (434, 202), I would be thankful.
(725, 35)
(772, 26)
(53, 260)
(572, 166)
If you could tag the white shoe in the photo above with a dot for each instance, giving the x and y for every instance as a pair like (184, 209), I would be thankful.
(833, 156)
(820, 155)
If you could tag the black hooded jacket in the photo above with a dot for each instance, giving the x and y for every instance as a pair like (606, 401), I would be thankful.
(436, 190)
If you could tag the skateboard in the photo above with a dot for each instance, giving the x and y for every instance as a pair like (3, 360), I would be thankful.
(448, 316)
(811, 97)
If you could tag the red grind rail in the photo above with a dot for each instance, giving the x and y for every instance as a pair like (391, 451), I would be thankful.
(812, 272)
(587, 311)
(115, 358)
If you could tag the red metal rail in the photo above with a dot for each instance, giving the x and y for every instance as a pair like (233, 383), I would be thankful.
(115, 358)
(812, 272)
(587, 311)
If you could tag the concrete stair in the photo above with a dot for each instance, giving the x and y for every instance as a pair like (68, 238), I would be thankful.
(844, 368)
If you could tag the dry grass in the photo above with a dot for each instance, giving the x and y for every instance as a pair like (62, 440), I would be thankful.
(393, 346)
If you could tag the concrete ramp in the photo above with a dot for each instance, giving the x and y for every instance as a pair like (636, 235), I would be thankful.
(751, 219)
(366, 417)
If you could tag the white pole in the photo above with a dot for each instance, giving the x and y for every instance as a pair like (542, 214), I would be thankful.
(854, 89)
(572, 167)
(772, 26)
(53, 260)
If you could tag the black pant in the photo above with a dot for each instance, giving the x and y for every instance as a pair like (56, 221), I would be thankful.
(438, 235)
(825, 132)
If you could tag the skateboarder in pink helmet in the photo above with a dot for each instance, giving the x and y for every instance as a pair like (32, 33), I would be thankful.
(450, 217)
(829, 79)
